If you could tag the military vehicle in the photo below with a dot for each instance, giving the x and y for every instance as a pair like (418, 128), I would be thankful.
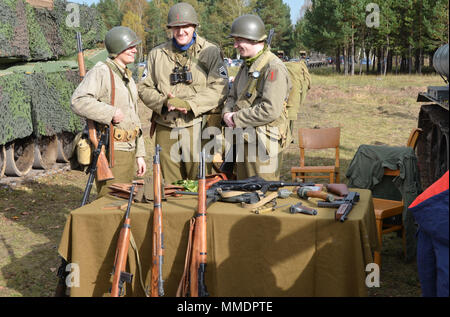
(38, 74)
(433, 144)
(316, 60)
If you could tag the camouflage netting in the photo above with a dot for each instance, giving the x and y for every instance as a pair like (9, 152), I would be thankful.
(50, 99)
(15, 108)
(39, 103)
(35, 97)
(31, 34)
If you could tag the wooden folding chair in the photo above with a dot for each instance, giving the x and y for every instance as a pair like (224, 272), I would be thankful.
(386, 208)
(318, 139)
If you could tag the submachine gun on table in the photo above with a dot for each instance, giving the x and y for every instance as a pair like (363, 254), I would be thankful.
(344, 205)
(249, 191)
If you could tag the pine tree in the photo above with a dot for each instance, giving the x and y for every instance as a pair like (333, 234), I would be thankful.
(110, 12)
(276, 14)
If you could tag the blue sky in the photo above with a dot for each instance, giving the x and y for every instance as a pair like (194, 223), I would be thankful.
(295, 8)
(293, 4)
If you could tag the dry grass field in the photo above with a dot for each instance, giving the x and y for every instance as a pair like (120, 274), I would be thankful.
(369, 109)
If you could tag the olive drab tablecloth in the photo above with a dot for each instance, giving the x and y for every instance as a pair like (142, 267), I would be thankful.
(271, 254)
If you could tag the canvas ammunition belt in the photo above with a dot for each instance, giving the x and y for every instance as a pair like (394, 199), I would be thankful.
(126, 135)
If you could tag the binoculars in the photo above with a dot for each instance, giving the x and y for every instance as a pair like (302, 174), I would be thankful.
(182, 75)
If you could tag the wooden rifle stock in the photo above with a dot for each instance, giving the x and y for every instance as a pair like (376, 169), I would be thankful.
(197, 268)
(157, 288)
(304, 192)
(103, 171)
(120, 260)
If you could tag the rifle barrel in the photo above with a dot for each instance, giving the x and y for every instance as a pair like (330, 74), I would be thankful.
(80, 57)
(88, 189)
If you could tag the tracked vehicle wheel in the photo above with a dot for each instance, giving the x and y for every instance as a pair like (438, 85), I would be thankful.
(65, 142)
(45, 152)
(19, 157)
(2, 160)
(433, 145)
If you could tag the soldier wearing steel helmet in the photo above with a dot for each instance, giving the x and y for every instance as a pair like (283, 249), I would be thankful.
(258, 100)
(186, 86)
(92, 100)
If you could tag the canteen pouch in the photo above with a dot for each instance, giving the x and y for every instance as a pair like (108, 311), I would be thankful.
(84, 152)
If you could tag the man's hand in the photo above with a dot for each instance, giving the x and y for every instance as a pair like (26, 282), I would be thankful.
(118, 116)
(228, 119)
(177, 104)
(142, 167)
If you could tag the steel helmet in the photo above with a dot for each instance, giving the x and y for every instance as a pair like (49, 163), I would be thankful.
(249, 27)
(182, 14)
(120, 38)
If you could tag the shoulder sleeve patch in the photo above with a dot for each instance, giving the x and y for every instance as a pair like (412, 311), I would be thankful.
(272, 74)
(223, 72)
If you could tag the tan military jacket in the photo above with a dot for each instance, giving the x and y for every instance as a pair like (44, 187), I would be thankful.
(207, 91)
(266, 107)
(92, 100)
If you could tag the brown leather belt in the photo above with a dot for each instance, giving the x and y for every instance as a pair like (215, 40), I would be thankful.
(126, 135)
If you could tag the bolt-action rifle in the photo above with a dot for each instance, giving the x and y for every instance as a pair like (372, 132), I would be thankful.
(157, 288)
(120, 260)
(197, 269)
(82, 72)
(99, 163)
(192, 282)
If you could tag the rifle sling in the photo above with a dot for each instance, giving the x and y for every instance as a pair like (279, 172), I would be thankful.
(111, 126)
(138, 261)
(183, 286)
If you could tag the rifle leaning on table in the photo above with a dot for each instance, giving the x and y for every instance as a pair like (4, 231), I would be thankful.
(120, 259)
(193, 280)
(157, 288)
(99, 163)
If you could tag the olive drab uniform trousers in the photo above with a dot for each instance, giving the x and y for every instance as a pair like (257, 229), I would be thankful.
(176, 132)
(263, 110)
(92, 100)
